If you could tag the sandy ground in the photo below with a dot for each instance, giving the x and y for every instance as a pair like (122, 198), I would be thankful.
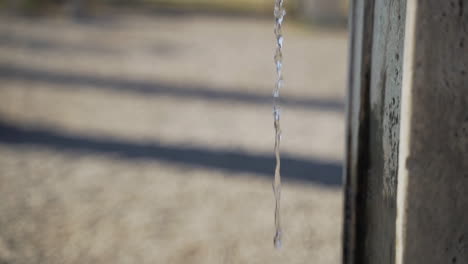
(137, 139)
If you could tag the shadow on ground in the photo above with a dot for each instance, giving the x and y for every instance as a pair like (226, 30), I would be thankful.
(82, 81)
(293, 168)
(8, 40)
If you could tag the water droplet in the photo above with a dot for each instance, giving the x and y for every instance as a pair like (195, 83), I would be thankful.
(277, 113)
(277, 30)
(280, 41)
(277, 241)
(278, 57)
(279, 12)
(279, 84)
(279, 66)
(280, 19)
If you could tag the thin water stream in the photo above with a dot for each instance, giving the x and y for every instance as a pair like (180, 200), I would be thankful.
(279, 13)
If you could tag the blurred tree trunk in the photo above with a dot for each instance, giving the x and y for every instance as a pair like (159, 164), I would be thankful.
(77, 8)
(323, 11)
(13, 5)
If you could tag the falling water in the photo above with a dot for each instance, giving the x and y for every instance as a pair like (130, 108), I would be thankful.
(279, 13)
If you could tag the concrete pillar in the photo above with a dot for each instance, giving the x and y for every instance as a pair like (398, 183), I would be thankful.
(407, 169)
(432, 224)
(361, 29)
(373, 130)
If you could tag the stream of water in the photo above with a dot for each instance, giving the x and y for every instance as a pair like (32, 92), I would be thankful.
(279, 13)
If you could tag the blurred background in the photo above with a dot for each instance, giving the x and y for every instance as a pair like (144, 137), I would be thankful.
(141, 131)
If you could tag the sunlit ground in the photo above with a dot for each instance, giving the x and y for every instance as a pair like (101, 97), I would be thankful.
(148, 139)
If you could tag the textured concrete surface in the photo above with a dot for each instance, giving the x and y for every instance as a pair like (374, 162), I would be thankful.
(135, 139)
(434, 157)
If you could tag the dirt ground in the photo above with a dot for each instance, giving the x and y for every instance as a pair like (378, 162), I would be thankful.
(148, 139)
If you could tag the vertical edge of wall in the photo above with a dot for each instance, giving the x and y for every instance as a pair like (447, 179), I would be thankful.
(384, 126)
(361, 29)
(405, 123)
(433, 201)
(375, 78)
